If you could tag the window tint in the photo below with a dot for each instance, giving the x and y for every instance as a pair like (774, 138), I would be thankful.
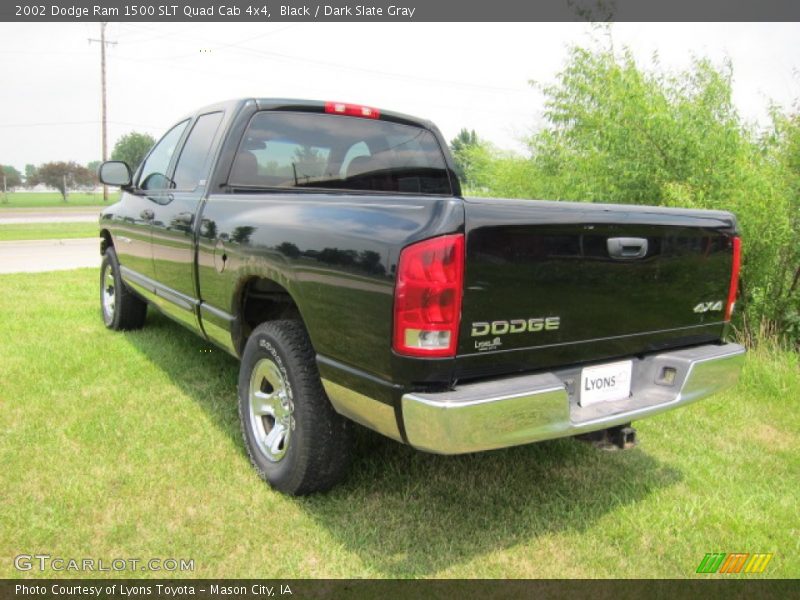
(196, 154)
(154, 170)
(289, 161)
(356, 150)
(311, 150)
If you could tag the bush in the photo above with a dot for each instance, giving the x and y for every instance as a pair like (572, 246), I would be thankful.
(618, 133)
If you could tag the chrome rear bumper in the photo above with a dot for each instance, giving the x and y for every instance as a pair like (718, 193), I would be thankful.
(531, 408)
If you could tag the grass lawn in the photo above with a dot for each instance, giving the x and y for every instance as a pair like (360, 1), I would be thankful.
(127, 445)
(47, 199)
(47, 231)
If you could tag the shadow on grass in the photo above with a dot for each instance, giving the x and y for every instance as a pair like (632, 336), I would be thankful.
(407, 513)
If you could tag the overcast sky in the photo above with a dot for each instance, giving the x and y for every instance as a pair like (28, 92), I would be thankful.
(458, 75)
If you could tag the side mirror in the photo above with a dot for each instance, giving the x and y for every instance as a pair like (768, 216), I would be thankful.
(114, 172)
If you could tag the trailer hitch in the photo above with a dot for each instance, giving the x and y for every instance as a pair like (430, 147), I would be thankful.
(621, 437)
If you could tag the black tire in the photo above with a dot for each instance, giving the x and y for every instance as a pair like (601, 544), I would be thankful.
(279, 363)
(120, 308)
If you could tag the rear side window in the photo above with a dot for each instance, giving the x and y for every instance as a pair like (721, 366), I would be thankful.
(310, 150)
(196, 154)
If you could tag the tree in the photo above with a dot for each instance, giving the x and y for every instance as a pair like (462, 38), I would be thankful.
(241, 234)
(462, 147)
(370, 261)
(783, 146)
(289, 249)
(13, 177)
(621, 133)
(465, 137)
(208, 229)
(30, 175)
(56, 174)
(93, 166)
(132, 148)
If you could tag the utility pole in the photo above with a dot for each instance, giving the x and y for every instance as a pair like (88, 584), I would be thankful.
(103, 43)
(64, 181)
(5, 190)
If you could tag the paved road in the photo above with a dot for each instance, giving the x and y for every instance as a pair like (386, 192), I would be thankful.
(11, 217)
(48, 255)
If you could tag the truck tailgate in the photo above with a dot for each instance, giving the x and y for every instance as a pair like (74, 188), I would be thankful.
(557, 283)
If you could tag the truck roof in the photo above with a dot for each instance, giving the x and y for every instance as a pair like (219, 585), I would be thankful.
(302, 105)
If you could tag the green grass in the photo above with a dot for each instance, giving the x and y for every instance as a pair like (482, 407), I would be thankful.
(49, 199)
(127, 445)
(47, 231)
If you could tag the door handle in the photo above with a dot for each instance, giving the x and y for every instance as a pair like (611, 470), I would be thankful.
(147, 214)
(625, 248)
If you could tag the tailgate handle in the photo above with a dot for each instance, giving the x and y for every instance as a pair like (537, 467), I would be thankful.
(625, 248)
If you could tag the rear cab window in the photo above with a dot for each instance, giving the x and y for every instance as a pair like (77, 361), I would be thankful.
(342, 153)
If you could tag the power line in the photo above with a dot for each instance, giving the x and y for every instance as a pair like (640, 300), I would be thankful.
(378, 72)
(219, 44)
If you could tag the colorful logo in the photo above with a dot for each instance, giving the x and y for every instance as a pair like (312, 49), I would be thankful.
(737, 562)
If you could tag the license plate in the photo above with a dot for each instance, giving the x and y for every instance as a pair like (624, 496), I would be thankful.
(605, 383)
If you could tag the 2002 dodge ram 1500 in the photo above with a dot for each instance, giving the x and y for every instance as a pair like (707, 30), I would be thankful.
(327, 245)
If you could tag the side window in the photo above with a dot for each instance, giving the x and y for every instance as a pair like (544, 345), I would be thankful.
(154, 170)
(196, 154)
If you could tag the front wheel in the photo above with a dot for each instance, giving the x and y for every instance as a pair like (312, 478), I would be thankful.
(295, 439)
(121, 309)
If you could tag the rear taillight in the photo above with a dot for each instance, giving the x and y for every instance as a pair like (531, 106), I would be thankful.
(352, 110)
(427, 297)
(734, 286)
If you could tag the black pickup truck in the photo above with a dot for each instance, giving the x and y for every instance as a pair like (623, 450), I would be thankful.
(328, 246)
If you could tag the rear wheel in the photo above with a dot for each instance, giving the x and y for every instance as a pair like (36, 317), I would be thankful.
(295, 439)
(120, 307)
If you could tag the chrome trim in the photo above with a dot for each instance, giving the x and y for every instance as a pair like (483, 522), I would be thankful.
(363, 409)
(182, 308)
(145, 293)
(218, 325)
(220, 336)
(133, 278)
(173, 304)
(531, 408)
(724, 367)
(176, 298)
(711, 375)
